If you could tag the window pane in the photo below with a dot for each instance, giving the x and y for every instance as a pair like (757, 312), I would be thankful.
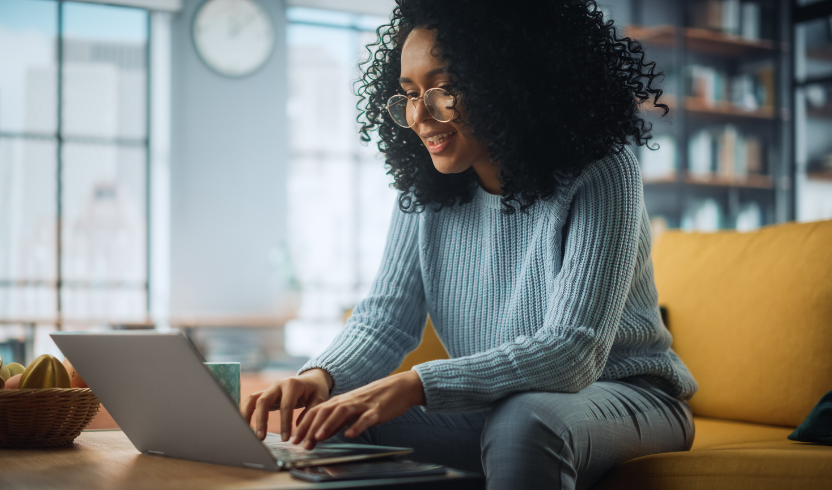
(813, 48)
(321, 224)
(339, 196)
(27, 209)
(28, 302)
(104, 214)
(122, 304)
(813, 151)
(322, 67)
(104, 92)
(376, 200)
(28, 73)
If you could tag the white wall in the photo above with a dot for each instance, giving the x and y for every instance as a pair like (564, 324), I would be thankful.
(227, 178)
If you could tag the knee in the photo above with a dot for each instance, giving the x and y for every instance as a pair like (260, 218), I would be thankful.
(521, 430)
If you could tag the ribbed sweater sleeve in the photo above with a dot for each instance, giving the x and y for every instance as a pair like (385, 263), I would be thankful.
(569, 351)
(388, 323)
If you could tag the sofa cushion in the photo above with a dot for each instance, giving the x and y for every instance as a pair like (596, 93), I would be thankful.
(729, 455)
(818, 425)
(751, 317)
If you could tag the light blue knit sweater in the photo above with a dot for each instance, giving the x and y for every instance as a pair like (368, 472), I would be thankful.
(553, 300)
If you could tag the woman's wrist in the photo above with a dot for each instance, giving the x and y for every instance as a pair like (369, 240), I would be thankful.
(416, 389)
(322, 375)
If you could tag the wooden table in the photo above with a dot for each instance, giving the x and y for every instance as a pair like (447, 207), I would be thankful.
(105, 459)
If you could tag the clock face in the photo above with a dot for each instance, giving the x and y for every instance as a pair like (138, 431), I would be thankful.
(233, 37)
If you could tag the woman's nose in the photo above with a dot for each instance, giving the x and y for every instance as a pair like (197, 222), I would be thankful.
(420, 110)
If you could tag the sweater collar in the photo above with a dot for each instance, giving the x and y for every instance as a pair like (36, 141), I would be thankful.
(485, 198)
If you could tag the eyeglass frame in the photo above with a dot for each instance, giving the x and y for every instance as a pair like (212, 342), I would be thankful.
(422, 98)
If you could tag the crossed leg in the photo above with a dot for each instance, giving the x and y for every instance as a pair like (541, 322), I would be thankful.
(547, 440)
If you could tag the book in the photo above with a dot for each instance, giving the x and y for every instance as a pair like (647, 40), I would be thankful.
(750, 217)
(750, 21)
(702, 215)
(726, 152)
(661, 162)
(750, 89)
(700, 148)
(732, 17)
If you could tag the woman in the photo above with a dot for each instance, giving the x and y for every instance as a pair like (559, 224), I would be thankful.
(521, 229)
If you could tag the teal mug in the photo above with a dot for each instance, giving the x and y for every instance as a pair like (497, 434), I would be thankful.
(228, 374)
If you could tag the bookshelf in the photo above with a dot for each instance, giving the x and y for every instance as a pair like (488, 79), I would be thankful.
(719, 109)
(719, 180)
(724, 150)
(821, 175)
(702, 40)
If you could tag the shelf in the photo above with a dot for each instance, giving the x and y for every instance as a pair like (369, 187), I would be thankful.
(724, 109)
(666, 180)
(820, 112)
(825, 175)
(749, 181)
(698, 107)
(821, 53)
(702, 41)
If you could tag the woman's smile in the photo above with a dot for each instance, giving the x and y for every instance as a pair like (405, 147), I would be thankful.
(437, 142)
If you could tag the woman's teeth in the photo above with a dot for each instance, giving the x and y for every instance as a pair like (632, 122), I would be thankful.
(439, 138)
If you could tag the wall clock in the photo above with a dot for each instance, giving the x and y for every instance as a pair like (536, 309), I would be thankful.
(233, 37)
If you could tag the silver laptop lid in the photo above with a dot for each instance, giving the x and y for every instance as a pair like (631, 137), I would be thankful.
(166, 401)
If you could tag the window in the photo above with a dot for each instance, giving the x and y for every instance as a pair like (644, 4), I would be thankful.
(340, 199)
(73, 161)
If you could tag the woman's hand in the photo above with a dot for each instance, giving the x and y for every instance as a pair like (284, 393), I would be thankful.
(372, 404)
(307, 390)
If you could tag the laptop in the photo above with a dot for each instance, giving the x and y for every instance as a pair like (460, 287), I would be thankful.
(156, 387)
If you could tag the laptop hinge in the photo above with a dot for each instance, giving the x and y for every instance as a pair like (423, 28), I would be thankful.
(254, 465)
(160, 453)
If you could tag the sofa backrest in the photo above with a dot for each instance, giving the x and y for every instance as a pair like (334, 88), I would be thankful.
(751, 317)
(429, 349)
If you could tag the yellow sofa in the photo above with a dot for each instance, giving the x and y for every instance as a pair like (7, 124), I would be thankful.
(751, 316)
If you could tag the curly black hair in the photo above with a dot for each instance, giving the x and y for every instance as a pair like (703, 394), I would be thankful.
(547, 84)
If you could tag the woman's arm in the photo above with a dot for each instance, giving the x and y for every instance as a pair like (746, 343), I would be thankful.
(570, 350)
(388, 323)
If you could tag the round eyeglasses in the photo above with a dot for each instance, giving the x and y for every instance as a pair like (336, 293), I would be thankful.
(438, 101)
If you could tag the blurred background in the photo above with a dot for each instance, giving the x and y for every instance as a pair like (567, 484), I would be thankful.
(195, 164)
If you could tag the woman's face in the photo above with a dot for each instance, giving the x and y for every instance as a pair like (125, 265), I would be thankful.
(451, 147)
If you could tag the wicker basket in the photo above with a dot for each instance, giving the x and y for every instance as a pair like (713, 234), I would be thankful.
(43, 418)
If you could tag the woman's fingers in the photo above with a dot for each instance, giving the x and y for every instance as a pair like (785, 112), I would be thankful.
(313, 422)
(311, 403)
(365, 421)
(263, 404)
(302, 429)
(248, 405)
(332, 424)
(292, 390)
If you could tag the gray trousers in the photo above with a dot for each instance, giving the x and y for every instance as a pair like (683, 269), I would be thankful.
(546, 440)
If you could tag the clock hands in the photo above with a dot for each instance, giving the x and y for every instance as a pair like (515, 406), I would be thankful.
(235, 26)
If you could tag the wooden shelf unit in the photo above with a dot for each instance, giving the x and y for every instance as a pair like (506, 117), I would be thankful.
(824, 112)
(702, 41)
(721, 109)
(747, 181)
(821, 53)
(825, 175)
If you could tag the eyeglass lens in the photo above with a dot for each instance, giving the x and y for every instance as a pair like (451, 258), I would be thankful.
(439, 103)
